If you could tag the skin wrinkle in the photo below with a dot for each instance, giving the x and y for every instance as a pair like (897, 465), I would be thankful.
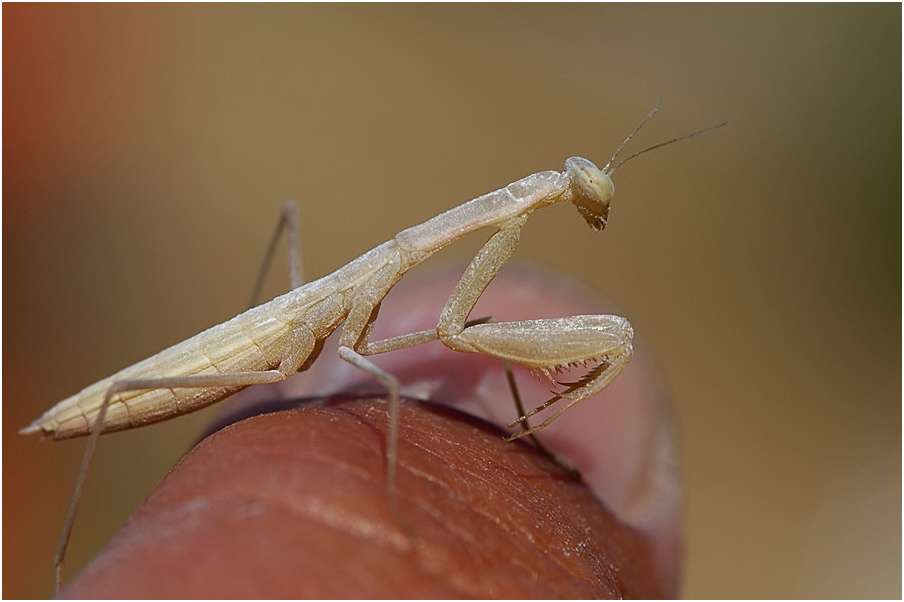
(323, 517)
(517, 537)
(236, 500)
(445, 483)
(276, 495)
(452, 494)
(327, 461)
(513, 499)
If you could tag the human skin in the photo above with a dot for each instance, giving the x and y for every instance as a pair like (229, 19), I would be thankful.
(293, 502)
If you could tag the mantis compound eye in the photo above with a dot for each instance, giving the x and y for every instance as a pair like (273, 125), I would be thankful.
(591, 191)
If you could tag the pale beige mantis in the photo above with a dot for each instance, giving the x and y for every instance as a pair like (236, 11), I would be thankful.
(273, 341)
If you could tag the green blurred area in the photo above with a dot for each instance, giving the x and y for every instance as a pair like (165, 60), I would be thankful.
(148, 150)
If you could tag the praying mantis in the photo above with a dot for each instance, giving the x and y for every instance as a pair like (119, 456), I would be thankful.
(272, 341)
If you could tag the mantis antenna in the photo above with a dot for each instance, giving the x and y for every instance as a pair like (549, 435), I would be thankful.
(655, 146)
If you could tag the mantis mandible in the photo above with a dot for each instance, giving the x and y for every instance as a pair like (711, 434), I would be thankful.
(270, 342)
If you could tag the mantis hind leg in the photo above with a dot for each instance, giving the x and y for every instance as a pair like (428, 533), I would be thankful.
(288, 221)
(301, 347)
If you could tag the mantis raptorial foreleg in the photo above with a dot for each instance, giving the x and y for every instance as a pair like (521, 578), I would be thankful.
(543, 344)
(478, 275)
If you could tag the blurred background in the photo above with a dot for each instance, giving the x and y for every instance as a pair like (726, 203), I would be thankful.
(149, 149)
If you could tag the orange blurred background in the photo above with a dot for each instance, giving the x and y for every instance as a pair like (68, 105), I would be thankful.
(149, 148)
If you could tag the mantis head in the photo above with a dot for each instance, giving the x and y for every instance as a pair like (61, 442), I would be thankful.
(592, 188)
(591, 191)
